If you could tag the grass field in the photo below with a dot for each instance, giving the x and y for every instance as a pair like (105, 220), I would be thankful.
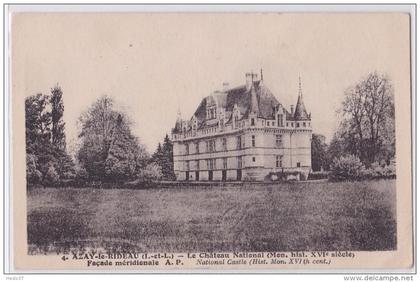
(276, 217)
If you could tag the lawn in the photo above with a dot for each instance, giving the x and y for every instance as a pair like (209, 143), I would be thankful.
(275, 217)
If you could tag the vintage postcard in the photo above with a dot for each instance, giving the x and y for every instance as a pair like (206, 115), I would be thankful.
(210, 141)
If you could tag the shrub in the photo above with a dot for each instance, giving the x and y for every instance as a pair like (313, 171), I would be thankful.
(152, 172)
(51, 177)
(348, 167)
(33, 175)
(381, 170)
(316, 175)
(286, 176)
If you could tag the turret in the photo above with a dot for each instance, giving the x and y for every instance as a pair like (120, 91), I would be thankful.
(300, 111)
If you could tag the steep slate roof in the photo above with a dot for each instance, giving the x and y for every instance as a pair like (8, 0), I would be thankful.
(300, 112)
(243, 99)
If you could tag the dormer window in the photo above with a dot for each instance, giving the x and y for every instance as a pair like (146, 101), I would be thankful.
(194, 123)
(235, 120)
(280, 120)
(211, 113)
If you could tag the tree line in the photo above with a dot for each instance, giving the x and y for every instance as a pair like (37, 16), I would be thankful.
(364, 142)
(107, 150)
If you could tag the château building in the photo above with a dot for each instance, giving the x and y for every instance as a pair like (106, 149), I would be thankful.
(243, 133)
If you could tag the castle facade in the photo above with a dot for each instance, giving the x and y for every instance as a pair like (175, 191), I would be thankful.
(243, 133)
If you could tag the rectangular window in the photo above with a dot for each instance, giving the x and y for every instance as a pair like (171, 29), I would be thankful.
(298, 164)
(278, 140)
(238, 142)
(211, 146)
(239, 162)
(304, 124)
(197, 164)
(297, 124)
(253, 159)
(211, 164)
(253, 140)
(279, 161)
(252, 122)
(187, 165)
(224, 144)
(224, 163)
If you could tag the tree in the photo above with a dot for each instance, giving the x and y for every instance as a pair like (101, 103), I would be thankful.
(109, 151)
(367, 128)
(39, 152)
(47, 162)
(120, 163)
(318, 152)
(37, 122)
(157, 156)
(164, 158)
(168, 159)
(96, 133)
(57, 110)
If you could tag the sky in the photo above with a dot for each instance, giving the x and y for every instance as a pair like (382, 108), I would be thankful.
(156, 64)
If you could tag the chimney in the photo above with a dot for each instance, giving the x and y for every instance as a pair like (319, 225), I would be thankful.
(248, 80)
(225, 86)
(292, 109)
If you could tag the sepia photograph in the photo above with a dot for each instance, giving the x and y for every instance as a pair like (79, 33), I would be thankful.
(211, 140)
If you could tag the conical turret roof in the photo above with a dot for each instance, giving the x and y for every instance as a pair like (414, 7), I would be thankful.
(300, 111)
